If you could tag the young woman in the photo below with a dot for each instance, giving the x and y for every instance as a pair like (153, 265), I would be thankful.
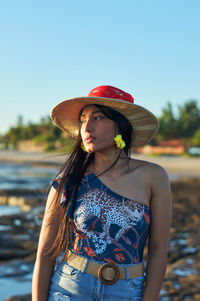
(103, 205)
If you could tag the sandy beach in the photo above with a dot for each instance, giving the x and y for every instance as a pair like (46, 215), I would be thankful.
(175, 166)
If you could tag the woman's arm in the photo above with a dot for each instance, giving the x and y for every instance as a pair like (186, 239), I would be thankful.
(159, 233)
(44, 264)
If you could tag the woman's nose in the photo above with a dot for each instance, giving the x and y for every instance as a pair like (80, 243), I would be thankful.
(89, 125)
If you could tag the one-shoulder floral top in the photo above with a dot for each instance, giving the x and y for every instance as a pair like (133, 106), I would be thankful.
(107, 226)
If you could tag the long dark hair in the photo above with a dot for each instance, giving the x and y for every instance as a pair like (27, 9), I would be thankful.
(72, 172)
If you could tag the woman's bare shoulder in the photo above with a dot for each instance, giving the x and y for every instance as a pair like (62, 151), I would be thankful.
(150, 169)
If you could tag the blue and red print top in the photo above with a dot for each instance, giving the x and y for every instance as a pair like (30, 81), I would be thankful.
(107, 226)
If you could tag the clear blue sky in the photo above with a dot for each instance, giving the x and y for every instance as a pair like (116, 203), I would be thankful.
(54, 50)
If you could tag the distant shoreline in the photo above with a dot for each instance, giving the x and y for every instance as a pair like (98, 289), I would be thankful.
(184, 167)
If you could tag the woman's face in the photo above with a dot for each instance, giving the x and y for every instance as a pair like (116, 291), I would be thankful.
(97, 131)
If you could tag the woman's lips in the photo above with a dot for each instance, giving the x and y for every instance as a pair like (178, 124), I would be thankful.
(89, 139)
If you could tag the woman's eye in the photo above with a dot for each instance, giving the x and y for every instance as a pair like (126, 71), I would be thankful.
(99, 117)
(95, 118)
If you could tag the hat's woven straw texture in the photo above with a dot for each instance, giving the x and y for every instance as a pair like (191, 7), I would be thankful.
(144, 123)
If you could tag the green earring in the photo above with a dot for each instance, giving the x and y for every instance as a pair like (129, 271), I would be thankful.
(120, 143)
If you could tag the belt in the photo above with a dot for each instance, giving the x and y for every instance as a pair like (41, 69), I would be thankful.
(108, 273)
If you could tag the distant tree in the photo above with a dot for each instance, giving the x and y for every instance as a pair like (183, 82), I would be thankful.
(12, 136)
(189, 119)
(196, 138)
(183, 126)
(168, 123)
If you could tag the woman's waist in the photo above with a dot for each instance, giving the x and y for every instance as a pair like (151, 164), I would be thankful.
(108, 273)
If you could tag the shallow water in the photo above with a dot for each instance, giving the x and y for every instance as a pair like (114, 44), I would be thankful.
(16, 276)
(8, 210)
(25, 176)
(15, 279)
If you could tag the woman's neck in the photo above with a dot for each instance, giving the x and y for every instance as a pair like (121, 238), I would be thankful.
(103, 162)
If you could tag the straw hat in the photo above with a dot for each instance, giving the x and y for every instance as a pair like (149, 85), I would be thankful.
(145, 125)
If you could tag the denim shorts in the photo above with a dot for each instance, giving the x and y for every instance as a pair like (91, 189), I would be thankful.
(68, 283)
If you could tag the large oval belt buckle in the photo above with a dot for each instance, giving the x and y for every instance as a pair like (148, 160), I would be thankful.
(102, 273)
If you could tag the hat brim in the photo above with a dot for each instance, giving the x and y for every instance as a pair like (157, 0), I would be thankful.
(145, 125)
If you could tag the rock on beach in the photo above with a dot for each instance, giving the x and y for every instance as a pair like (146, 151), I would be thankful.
(183, 272)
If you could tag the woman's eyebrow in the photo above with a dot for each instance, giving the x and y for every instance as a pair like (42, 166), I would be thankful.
(97, 111)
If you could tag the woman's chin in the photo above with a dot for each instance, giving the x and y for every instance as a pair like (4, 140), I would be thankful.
(90, 149)
(99, 148)
(93, 150)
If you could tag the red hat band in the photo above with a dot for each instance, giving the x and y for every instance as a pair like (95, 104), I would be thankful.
(111, 92)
